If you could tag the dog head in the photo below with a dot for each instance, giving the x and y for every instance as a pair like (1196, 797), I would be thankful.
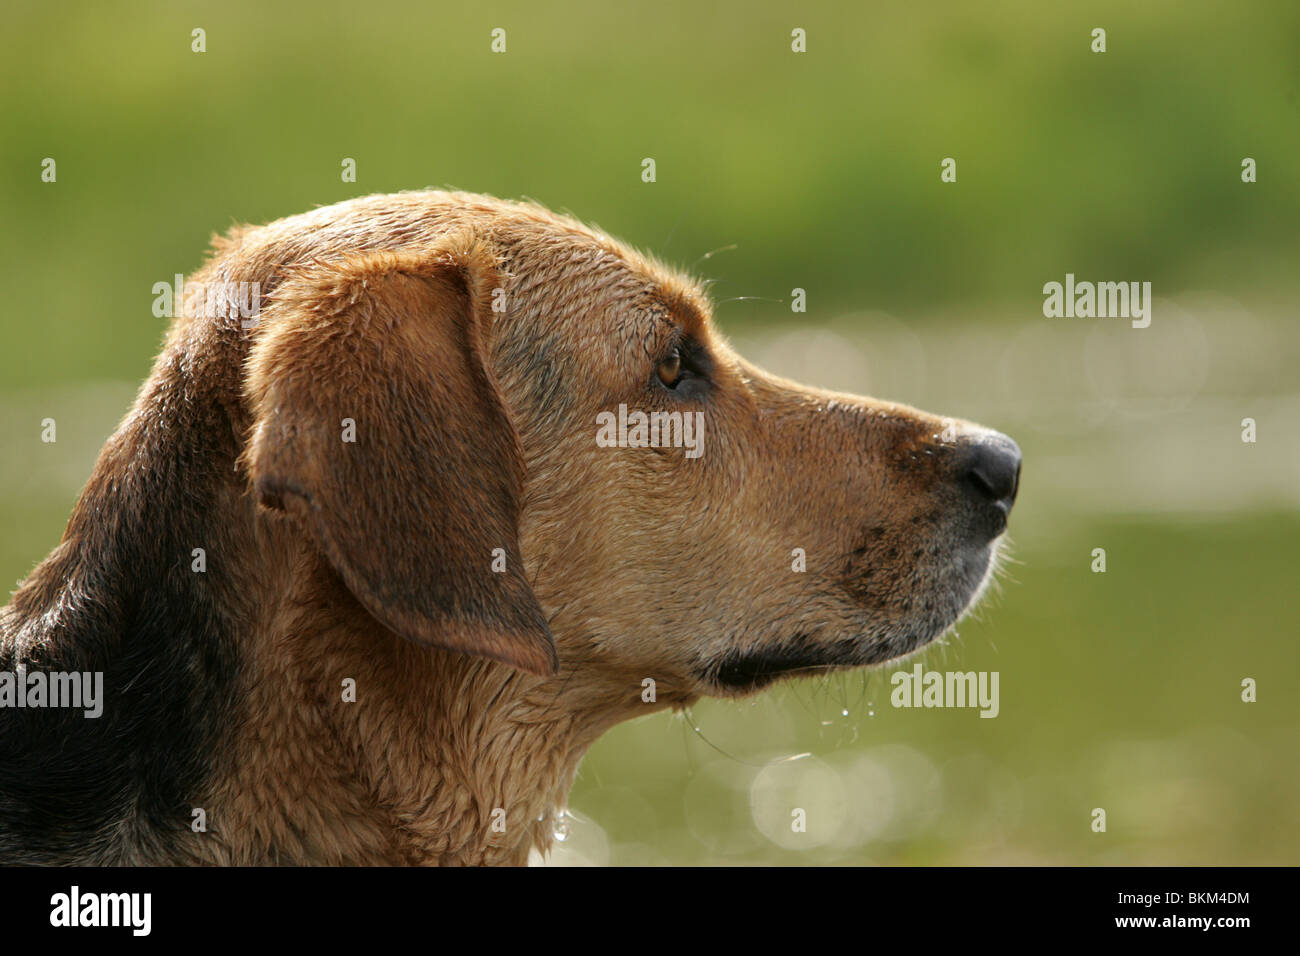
(555, 461)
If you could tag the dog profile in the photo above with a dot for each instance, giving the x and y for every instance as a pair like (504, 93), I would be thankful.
(363, 582)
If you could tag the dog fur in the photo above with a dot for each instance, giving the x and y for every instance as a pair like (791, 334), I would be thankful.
(472, 343)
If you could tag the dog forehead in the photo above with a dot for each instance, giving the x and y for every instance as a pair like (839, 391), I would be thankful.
(599, 292)
(566, 284)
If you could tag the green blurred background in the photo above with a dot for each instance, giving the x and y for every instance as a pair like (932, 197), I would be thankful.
(1118, 690)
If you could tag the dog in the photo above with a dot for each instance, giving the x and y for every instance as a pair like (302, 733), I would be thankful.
(362, 581)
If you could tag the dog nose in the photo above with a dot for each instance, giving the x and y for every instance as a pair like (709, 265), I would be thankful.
(991, 470)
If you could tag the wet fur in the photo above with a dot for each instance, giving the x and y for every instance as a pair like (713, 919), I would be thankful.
(476, 690)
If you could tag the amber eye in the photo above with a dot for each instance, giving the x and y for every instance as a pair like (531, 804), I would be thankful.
(670, 369)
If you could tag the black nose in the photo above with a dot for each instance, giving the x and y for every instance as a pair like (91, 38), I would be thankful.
(991, 470)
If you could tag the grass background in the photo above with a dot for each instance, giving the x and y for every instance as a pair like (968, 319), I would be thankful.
(822, 169)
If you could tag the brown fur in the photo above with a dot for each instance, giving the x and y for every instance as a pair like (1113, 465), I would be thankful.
(475, 431)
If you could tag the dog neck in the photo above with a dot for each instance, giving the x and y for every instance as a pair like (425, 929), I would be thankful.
(358, 747)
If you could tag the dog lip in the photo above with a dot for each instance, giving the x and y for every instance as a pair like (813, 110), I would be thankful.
(753, 670)
(751, 673)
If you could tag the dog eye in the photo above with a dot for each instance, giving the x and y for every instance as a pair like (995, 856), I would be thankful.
(670, 369)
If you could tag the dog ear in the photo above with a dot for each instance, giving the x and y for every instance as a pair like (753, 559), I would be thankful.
(378, 425)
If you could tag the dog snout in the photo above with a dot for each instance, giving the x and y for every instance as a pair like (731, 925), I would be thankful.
(989, 471)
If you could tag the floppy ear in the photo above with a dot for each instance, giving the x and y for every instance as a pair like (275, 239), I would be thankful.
(378, 426)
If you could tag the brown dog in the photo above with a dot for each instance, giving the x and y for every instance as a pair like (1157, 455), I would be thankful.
(366, 573)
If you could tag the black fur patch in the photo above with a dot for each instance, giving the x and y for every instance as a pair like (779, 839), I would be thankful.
(119, 596)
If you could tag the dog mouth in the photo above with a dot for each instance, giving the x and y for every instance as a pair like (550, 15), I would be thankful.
(744, 671)
(741, 672)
